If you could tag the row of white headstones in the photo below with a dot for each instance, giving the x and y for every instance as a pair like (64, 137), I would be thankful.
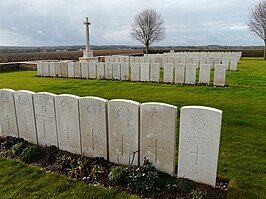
(121, 131)
(229, 59)
(173, 73)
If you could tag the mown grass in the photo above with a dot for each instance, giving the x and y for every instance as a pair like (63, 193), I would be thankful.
(18, 180)
(242, 151)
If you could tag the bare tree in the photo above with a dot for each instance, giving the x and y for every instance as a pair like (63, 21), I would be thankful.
(148, 28)
(257, 22)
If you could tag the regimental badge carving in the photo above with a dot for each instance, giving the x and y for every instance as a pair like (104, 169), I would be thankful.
(66, 105)
(91, 109)
(4, 97)
(156, 117)
(23, 100)
(122, 113)
(199, 124)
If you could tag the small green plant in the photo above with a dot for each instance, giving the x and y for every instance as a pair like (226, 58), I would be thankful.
(31, 153)
(18, 148)
(199, 194)
(51, 151)
(181, 185)
(97, 171)
(117, 174)
(144, 179)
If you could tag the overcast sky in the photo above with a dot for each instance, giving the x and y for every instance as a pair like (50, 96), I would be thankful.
(187, 22)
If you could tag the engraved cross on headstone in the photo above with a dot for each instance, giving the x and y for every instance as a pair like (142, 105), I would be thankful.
(68, 130)
(26, 123)
(197, 153)
(122, 143)
(8, 121)
(92, 138)
(87, 23)
(156, 147)
(44, 118)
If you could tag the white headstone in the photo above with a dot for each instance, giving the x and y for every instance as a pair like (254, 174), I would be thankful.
(145, 72)
(108, 70)
(225, 61)
(8, 120)
(180, 73)
(92, 70)
(199, 140)
(64, 68)
(233, 63)
(219, 75)
(44, 108)
(40, 68)
(190, 76)
(70, 69)
(168, 73)
(85, 70)
(52, 69)
(123, 128)
(196, 61)
(67, 116)
(124, 71)
(93, 126)
(46, 69)
(135, 71)
(25, 115)
(117, 71)
(100, 70)
(155, 72)
(158, 135)
(58, 69)
(77, 69)
(205, 72)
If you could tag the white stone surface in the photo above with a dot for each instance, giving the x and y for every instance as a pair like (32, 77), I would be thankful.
(233, 63)
(108, 70)
(44, 107)
(205, 73)
(117, 71)
(168, 73)
(46, 69)
(85, 70)
(125, 70)
(158, 135)
(67, 119)
(77, 69)
(135, 71)
(25, 115)
(199, 140)
(123, 128)
(92, 70)
(100, 70)
(64, 67)
(70, 69)
(40, 68)
(52, 69)
(190, 74)
(145, 72)
(93, 126)
(58, 69)
(219, 75)
(180, 73)
(225, 61)
(8, 119)
(155, 72)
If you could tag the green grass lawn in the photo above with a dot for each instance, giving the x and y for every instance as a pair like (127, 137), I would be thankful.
(242, 158)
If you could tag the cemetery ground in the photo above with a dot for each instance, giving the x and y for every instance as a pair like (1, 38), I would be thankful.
(242, 159)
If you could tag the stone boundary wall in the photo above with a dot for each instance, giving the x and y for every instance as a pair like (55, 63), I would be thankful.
(121, 131)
